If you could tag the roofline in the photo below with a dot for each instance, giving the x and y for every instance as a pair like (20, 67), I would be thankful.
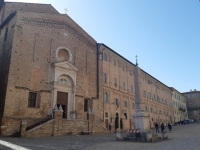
(177, 91)
(191, 92)
(33, 3)
(99, 44)
(156, 79)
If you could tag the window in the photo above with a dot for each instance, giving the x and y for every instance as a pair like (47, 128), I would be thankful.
(105, 57)
(116, 102)
(131, 72)
(197, 95)
(106, 114)
(125, 104)
(32, 99)
(123, 68)
(106, 97)
(115, 81)
(114, 61)
(104, 77)
(149, 95)
(125, 115)
(124, 85)
(85, 105)
(188, 95)
(133, 105)
(131, 89)
(144, 94)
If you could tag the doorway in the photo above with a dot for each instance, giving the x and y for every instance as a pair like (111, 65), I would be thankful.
(116, 121)
(62, 99)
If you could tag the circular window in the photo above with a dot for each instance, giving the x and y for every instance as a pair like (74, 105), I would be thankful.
(63, 55)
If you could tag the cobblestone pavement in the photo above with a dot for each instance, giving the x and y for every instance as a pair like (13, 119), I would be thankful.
(182, 137)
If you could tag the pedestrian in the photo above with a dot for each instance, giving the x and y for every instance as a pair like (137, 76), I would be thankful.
(169, 127)
(162, 127)
(110, 126)
(156, 126)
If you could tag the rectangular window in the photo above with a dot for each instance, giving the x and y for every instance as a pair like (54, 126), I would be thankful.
(105, 57)
(106, 97)
(123, 68)
(32, 99)
(115, 81)
(104, 77)
(85, 105)
(131, 89)
(133, 105)
(106, 115)
(114, 61)
(124, 85)
(125, 104)
(131, 72)
(116, 102)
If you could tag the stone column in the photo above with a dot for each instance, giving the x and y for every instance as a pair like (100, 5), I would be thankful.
(23, 128)
(58, 116)
(141, 117)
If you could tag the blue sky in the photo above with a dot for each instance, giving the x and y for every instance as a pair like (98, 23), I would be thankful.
(165, 34)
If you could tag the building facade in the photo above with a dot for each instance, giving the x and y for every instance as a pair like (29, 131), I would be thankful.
(48, 63)
(179, 106)
(118, 88)
(193, 104)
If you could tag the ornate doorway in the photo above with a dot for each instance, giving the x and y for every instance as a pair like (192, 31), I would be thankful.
(62, 99)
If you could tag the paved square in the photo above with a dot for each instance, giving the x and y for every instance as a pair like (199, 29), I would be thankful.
(182, 137)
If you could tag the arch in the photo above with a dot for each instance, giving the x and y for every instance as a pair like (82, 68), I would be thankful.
(65, 80)
(66, 54)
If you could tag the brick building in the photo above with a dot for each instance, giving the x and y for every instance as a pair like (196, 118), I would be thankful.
(48, 63)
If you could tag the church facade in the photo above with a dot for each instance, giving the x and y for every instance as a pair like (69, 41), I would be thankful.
(48, 63)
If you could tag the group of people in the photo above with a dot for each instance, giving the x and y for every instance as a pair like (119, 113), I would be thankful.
(162, 127)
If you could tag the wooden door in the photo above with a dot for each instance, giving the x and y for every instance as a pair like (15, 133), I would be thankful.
(62, 99)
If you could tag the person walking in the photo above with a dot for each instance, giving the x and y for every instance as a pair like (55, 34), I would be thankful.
(156, 126)
(169, 127)
(162, 127)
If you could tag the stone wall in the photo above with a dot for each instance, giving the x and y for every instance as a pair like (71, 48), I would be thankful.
(59, 126)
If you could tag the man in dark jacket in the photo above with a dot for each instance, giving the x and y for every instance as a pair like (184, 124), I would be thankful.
(169, 127)
(162, 127)
(156, 126)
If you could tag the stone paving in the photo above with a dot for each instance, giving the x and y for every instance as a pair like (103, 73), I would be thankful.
(182, 137)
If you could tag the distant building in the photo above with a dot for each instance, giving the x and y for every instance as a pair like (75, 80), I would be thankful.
(179, 106)
(193, 104)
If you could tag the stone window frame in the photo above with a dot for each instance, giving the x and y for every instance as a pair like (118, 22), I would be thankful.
(106, 114)
(106, 97)
(115, 81)
(66, 49)
(31, 101)
(125, 103)
(124, 85)
(105, 77)
(133, 105)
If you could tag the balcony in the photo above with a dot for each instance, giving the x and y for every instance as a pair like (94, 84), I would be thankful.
(182, 109)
